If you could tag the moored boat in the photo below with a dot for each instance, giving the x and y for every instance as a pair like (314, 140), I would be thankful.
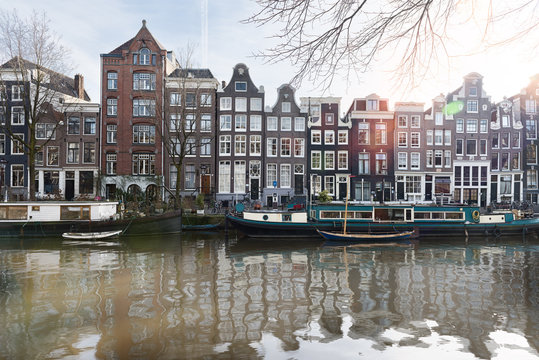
(92, 235)
(365, 237)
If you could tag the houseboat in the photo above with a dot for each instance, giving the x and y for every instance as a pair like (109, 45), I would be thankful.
(370, 219)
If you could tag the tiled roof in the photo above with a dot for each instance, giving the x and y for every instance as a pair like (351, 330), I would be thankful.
(196, 73)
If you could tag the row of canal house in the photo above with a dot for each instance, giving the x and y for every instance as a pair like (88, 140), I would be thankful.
(234, 147)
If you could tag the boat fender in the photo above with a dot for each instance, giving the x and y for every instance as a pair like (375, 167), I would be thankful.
(475, 215)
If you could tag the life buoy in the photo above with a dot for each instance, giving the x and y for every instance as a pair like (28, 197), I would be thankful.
(475, 215)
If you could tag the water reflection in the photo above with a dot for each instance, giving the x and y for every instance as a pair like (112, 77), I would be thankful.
(203, 295)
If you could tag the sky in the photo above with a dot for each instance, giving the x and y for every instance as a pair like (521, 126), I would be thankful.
(91, 28)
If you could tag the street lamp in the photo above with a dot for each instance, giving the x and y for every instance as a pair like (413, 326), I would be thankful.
(3, 163)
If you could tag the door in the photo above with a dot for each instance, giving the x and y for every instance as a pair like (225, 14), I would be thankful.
(342, 191)
(483, 197)
(517, 191)
(206, 184)
(298, 184)
(70, 189)
(111, 191)
(400, 190)
(428, 190)
(254, 189)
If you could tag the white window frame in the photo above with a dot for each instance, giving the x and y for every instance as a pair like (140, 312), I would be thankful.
(329, 137)
(286, 120)
(272, 123)
(402, 160)
(225, 103)
(339, 154)
(299, 123)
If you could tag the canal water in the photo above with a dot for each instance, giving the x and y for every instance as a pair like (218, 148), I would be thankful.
(207, 295)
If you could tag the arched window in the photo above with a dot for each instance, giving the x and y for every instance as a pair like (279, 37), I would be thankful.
(145, 56)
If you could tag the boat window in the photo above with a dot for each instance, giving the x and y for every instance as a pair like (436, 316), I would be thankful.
(350, 214)
(35, 208)
(330, 214)
(13, 212)
(74, 213)
(389, 214)
(422, 215)
(454, 216)
(287, 217)
(363, 214)
(437, 215)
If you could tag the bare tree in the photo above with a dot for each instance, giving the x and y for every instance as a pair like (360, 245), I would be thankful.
(32, 86)
(324, 38)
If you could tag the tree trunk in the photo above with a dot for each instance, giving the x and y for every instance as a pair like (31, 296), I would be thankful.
(32, 166)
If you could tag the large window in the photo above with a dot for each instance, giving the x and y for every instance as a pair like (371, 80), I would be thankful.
(299, 124)
(531, 154)
(256, 104)
(205, 122)
(240, 123)
(17, 115)
(414, 140)
(531, 129)
(241, 104)
(316, 137)
(190, 124)
(299, 147)
(494, 161)
(45, 131)
(381, 134)
(415, 160)
(415, 121)
(225, 103)
(471, 147)
(342, 160)
(402, 162)
(364, 167)
(460, 125)
(190, 100)
(52, 156)
(112, 80)
(438, 158)
(430, 158)
(17, 147)
(17, 175)
(240, 145)
(205, 147)
(272, 123)
(111, 133)
(190, 175)
(112, 107)
(143, 164)
(286, 147)
(73, 151)
(271, 174)
(224, 176)
(363, 133)
(73, 125)
(143, 134)
(89, 126)
(381, 163)
(531, 179)
(205, 99)
(329, 184)
(471, 126)
(402, 139)
(286, 123)
(402, 121)
(143, 81)
(530, 106)
(272, 147)
(225, 145)
(255, 147)
(329, 137)
(256, 123)
(285, 106)
(286, 175)
(316, 160)
(86, 182)
(143, 107)
(175, 99)
(89, 153)
(472, 106)
(329, 157)
(111, 163)
(225, 122)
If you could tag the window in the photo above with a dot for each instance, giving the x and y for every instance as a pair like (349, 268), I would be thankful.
(506, 121)
(254, 169)
(286, 175)
(17, 115)
(285, 106)
(272, 123)
(316, 137)
(531, 129)
(111, 164)
(240, 86)
(494, 161)
(143, 164)
(224, 176)
(372, 104)
(286, 145)
(329, 163)
(505, 161)
(240, 145)
(505, 140)
(342, 160)
(17, 146)
(45, 131)
(73, 150)
(381, 164)
(205, 147)
(17, 92)
(299, 147)
(430, 137)
(52, 156)
(515, 140)
(438, 137)
(439, 118)
(316, 160)
(240, 122)
(460, 125)
(190, 176)
(225, 122)
(447, 158)
(175, 99)
(402, 121)
(89, 126)
(496, 141)
(483, 146)
(224, 144)
(471, 126)
(460, 147)
(402, 161)
(343, 137)
(430, 158)
(329, 184)
(143, 134)
(471, 147)
(256, 122)
(112, 80)
(299, 124)
(363, 133)
(256, 104)
(483, 125)
(473, 91)
(272, 147)
(402, 139)
(271, 174)
(175, 122)
(241, 104)
(73, 125)
(286, 124)
(112, 107)
(415, 160)
(531, 154)
(299, 169)
(530, 106)
(531, 179)
(143, 107)
(255, 145)
(2, 144)
(190, 100)
(447, 137)
(381, 134)
(515, 161)
(144, 55)
(415, 121)
(330, 119)
(205, 123)
(89, 153)
(205, 100)
(364, 164)
(17, 175)
(143, 81)
(438, 157)
(472, 106)
(329, 137)
(190, 147)
(225, 104)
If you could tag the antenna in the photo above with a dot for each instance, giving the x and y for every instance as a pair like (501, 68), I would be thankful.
(204, 32)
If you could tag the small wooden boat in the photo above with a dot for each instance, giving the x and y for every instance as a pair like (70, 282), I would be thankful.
(91, 235)
(201, 227)
(364, 237)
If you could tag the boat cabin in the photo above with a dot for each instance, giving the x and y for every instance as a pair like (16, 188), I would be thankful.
(45, 211)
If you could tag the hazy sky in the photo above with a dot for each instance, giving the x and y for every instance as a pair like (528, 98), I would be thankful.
(90, 28)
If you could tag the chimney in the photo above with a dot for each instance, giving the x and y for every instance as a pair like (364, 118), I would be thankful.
(223, 84)
(79, 86)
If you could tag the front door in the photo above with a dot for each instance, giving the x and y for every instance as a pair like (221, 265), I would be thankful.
(254, 189)
(298, 184)
(428, 190)
(342, 191)
(111, 191)
(206, 184)
(70, 189)
(400, 190)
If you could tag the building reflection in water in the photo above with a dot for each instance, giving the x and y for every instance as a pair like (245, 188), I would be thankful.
(195, 298)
